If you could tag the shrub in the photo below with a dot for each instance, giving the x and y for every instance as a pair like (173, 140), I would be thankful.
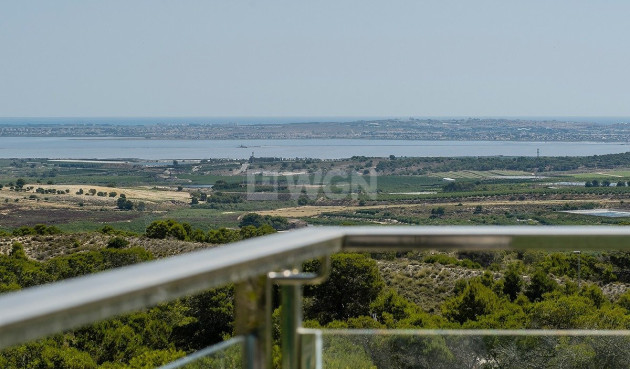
(512, 282)
(539, 285)
(107, 229)
(124, 204)
(117, 243)
(440, 259)
(474, 301)
(257, 220)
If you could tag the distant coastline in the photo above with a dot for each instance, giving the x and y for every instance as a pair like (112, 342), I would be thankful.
(262, 120)
(427, 129)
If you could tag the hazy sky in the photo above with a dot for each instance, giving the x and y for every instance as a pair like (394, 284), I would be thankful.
(316, 57)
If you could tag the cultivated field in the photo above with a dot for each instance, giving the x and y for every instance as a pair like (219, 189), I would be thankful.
(310, 211)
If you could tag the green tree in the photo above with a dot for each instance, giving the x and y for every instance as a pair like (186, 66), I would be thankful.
(212, 315)
(266, 229)
(474, 301)
(389, 307)
(624, 300)
(223, 235)
(116, 258)
(42, 229)
(248, 232)
(107, 229)
(161, 229)
(540, 284)
(437, 212)
(66, 357)
(19, 184)
(252, 219)
(198, 236)
(155, 358)
(157, 229)
(303, 200)
(512, 282)
(124, 204)
(353, 284)
(595, 294)
(257, 220)
(565, 312)
(17, 251)
(178, 231)
(117, 243)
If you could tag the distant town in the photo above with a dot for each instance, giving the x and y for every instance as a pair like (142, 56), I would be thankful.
(391, 129)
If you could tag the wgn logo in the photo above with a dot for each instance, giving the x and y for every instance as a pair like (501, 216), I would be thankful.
(335, 185)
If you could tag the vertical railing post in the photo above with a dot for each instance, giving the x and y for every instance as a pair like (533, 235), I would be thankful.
(311, 351)
(291, 282)
(252, 322)
(291, 320)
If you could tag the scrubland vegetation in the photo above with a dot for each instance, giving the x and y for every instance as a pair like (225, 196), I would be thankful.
(61, 220)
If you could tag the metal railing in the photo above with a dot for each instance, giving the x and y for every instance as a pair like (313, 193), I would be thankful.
(253, 265)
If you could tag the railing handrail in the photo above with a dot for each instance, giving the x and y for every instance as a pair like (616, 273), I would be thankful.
(550, 238)
(39, 311)
(470, 332)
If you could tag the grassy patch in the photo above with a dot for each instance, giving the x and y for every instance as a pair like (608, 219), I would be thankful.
(207, 179)
(387, 183)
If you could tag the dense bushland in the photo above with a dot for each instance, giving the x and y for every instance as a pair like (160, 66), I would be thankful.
(521, 163)
(519, 290)
(161, 229)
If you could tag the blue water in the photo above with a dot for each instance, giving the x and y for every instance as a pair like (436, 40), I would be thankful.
(112, 148)
(601, 213)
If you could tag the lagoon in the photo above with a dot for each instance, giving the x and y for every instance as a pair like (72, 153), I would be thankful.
(120, 148)
(609, 213)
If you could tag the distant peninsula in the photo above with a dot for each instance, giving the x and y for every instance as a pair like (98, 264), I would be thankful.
(471, 129)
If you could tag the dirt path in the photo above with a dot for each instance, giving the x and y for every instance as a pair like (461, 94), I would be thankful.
(610, 175)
